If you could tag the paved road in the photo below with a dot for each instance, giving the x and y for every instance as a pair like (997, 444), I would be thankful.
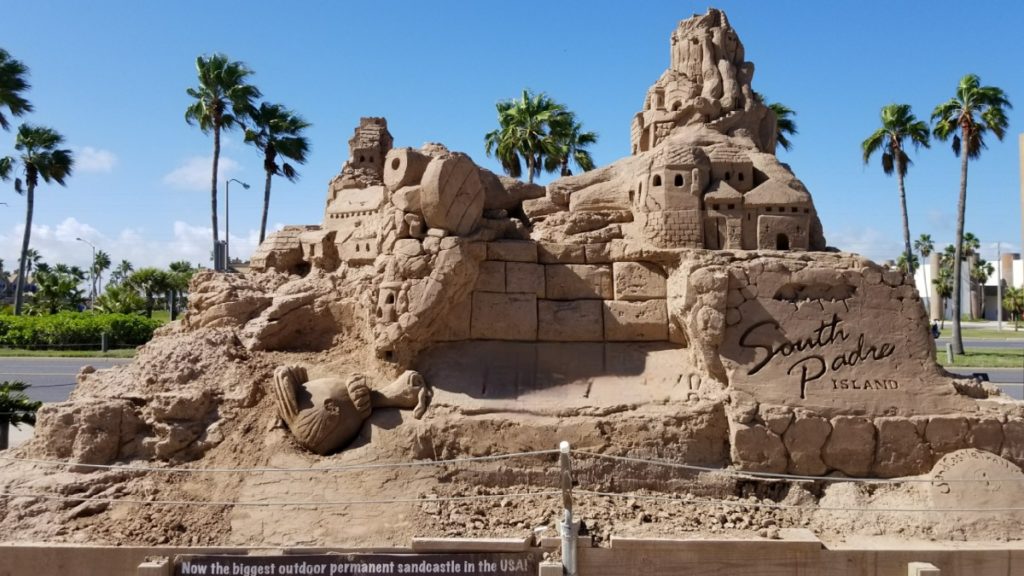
(1009, 380)
(52, 379)
(976, 343)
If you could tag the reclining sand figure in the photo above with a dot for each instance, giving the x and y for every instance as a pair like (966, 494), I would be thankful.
(325, 414)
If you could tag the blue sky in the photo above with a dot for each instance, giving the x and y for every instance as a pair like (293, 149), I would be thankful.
(111, 76)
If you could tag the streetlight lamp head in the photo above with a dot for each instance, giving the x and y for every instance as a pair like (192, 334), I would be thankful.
(244, 185)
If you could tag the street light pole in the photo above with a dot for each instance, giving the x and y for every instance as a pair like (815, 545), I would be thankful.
(92, 274)
(227, 219)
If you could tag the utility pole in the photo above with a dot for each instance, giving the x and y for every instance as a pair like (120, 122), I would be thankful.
(568, 527)
(999, 284)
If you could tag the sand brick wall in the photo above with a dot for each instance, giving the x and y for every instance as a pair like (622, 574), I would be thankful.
(537, 292)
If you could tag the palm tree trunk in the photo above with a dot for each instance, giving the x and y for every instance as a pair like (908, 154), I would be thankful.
(909, 255)
(266, 206)
(5, 429)
(958, 342)
(19, 291)
(213, 187)
(172, 301)
(529, 168)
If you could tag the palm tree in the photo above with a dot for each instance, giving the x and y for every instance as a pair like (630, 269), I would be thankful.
(967, 117)
(971, 245)
(523, 134)
(13, 83)
(57, 289)
(944, 289)
(100, 264)
(222, 98)
(178, 276)
(151, 281)
(15, 408)
(40, 158)
(980, 272)
(924, 246)
(785, 125)
(571, 142)
(903, 264)
(277, 131)
(898, 125)
(33, 260)
(121, 272)
(1013, 301)
(119, 299)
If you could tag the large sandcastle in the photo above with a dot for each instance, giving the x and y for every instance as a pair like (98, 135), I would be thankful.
(678, 304)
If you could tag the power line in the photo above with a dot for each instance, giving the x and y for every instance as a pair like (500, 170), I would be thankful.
(779, 476)
(339, 468)
(271, 503)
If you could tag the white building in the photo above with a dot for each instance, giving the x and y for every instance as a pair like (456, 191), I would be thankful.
(1009, 267)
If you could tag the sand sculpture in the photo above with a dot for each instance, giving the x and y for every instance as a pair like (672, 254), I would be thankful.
(326, 413)
(679, 302)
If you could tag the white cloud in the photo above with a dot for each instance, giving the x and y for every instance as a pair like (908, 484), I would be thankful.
(867, 242)
(89, 159)
(57, 243)
(194, 173)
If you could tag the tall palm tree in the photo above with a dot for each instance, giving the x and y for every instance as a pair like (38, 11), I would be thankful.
(13, 84)
(523, 134)
(924, 246)
(222, 98)
(277, 132)
(571, 143)
(974, 111)
(100, 264)
(121, 273)
(898, 125)
(40, 157)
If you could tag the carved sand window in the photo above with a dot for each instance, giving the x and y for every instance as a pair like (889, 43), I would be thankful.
(656, 181)
(679, 180)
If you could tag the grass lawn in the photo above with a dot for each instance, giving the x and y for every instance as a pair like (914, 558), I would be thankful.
(985, 334)
(986, 358)
(163, 315)
(118, 353)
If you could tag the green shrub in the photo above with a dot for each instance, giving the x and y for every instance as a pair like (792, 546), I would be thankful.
(75, 330)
